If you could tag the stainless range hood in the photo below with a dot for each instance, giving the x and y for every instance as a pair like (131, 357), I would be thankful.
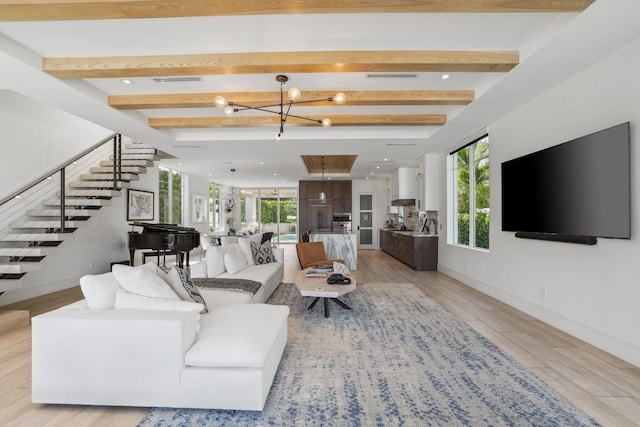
(403, 202)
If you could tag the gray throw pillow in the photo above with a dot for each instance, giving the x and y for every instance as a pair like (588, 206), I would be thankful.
(262, 253)
(191, 289)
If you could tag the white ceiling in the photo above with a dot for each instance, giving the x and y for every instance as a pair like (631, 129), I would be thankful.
(552, 47)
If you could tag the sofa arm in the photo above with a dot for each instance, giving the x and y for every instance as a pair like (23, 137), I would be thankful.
(198, 269)
(110, 357)
(278, 253)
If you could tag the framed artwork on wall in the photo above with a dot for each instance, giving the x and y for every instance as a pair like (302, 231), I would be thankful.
(198, 208)
(140, 205)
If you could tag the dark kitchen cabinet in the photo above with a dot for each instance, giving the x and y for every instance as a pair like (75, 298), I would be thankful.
(338, 195)
(419, 253)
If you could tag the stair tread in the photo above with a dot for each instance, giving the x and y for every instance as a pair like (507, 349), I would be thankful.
(99, 184)
(125, 169)
(78, 202)
(34, 237)
(127, 162)
(108, 176)
(32, 251)
(19, 267)
(56, 212)
(42, 224)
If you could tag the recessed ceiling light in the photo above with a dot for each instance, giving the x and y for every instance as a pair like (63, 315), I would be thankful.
(262, 163)
(275, 174)
(445, 76)
(377, 167)
(127, 81)
(371, 173)
(386, 160)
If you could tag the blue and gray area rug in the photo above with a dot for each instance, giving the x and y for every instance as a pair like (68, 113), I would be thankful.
(397, 358)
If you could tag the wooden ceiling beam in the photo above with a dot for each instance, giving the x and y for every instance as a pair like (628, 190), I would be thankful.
(49, 10)
(341, 120)
(366, 61)
(354, 98)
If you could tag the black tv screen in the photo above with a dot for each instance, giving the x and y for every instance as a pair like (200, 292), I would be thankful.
(578, 188)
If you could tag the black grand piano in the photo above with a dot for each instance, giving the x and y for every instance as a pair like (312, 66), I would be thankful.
(164, 239)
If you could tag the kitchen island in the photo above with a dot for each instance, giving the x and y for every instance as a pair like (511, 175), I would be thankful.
(418, 250)
(339, 246)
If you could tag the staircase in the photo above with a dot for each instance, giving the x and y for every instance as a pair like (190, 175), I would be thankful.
(38, 231)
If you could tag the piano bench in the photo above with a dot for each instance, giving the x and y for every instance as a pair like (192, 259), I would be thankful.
(157, 254)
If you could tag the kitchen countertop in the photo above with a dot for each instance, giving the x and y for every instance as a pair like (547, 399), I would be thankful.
(410, 233)
(330, 232)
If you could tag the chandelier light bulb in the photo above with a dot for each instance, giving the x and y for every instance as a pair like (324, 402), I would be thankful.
(340, 98)
(294, 94)
(219, 101)
(326, 123)
(228, 110)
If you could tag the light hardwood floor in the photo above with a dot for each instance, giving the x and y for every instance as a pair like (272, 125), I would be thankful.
(603, 386)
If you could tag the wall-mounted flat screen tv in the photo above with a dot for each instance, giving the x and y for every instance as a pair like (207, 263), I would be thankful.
(578, 188)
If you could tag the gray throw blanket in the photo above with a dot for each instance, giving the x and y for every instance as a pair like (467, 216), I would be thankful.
(227, 284)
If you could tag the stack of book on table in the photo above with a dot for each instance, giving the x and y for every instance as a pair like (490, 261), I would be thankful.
(318, 272)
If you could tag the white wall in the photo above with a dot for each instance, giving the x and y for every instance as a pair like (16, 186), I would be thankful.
(194, 185)
(40, 138)
(592, 292)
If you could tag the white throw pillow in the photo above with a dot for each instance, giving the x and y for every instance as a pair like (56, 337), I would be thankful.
(143, 282)
(215, 258)
(99, 290)
(235, 262)
(245, 247)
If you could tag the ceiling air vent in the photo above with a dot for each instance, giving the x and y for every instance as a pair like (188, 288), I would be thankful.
(176, 79)
(392, 76)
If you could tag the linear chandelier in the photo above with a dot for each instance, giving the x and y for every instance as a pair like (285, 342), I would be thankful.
(294, 95)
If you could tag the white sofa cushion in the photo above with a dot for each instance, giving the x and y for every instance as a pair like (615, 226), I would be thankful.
(235, 262)
(259, 273)
(130, 301)
(215, 258)
(141, 281)
(99, 290)
(183, 286)
(230, 336)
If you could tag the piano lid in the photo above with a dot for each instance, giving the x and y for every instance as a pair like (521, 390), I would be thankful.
(162, 227)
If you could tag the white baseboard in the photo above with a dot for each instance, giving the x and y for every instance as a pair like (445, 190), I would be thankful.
(627, 351)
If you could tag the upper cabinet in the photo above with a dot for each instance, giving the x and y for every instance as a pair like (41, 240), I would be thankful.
(403, 186)
(313, 214)
(427, 183)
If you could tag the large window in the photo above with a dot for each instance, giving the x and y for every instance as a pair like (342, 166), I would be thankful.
(170, 196)
(270, 210)
(470, 167)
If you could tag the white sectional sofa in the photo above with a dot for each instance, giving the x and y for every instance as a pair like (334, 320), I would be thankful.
(137, 342)
(226, 262)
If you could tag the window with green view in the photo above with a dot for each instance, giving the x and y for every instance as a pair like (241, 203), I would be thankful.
(470, 166)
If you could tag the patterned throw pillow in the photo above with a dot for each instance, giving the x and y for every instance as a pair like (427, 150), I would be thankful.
(262, 253)
(191, 289)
